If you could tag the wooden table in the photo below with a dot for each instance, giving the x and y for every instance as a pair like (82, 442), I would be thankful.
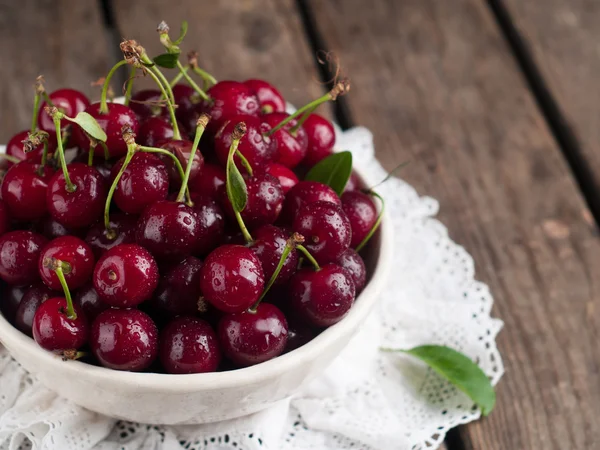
(496, 105)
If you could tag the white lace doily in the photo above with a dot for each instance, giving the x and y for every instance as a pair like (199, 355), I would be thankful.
(365, 400)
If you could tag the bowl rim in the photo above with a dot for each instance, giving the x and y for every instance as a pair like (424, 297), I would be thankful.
(179, 383)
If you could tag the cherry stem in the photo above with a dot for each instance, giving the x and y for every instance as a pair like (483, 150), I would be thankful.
(206, 77)
(103, 103)
(178, 166)
(129, 87)
(360, 246)
(339, 89)
(200, 126)
(91, 154)
(170, 102)
(44, 155)
(301, 121)
(308, 256)
(56, 116)
(236, 136)
(177, 77)
(244, 162)
(47, 99)
(389, 175)
(58, 269)
(36, 107)
(106, 152)
(131, 148)
(9, 158)
(192, 83)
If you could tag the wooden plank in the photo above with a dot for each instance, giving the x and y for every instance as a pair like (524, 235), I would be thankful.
(62, 40)
(235, 40)
(437, 85)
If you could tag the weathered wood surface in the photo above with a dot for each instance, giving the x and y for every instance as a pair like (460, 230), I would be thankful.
(436, 84)
(63, 40)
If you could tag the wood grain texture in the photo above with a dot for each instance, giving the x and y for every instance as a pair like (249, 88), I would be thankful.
(436, 84)
(64, 40)
(235, 40)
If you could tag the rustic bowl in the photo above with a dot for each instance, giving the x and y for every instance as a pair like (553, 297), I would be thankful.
(201, 398)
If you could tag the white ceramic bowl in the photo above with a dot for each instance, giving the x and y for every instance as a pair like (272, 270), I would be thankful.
(200, 398)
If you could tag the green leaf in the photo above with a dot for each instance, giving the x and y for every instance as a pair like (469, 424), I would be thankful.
(236, 187)
(182, 33)
(334, 171)
(89, 125)
(459, 370)
(167, 60)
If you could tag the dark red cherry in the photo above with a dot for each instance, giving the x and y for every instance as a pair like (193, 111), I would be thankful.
(354, 264)
(229, 98)
(154, 131)
(144, 181)
(286, 177)
(82, 207)
(321, 298)
(306, 192)
(89, 301)
(326, 229)
(258, 148)
(112, 123)
(298, 335)
(169, 230)
(68, 101)
(354, 183)
(24, 190)
(269, 244)
(10, 300)
(125, 276)
(232, 278)
(321, 139)
(4, 218)
(265, 201)
(291, 146)
(51, 229)
(122, 231)
(32, 299)
(187, 101)
(361, 212)
(77, 262)
(182, 150)
(178, 291)
(19, 255)
(124, 339)
(189, 345)
(15, 148)
(54, 330)
(145, 104)
(212, 224)
(249, 338)
(209, 181)
(269, 98)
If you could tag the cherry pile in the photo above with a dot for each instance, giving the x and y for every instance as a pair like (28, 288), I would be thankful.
(122, 239)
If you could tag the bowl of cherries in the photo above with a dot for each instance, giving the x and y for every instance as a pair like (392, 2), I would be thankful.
(185, 254)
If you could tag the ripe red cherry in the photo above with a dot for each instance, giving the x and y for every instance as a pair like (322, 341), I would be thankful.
(82, 207)
(32, 299)
(326, 230)
(19, 255)
(209, 181)
(77, 260)
(125, 276)
(229, 98)
(182, 149)
(212, 224)
(361, 212)
(51, 229)
(306, 192)
(232, 278)
(122, 231)
(286, 177)
(354, 264)
(269, 98)
(169, 230)
(187, 101)
(24, 190)
(144, 181)
(258, 148)
(269, 244)
(89, 301)
(178, 291)
(154, 131)
(144, 104)
(15, 148)
(124, 339)
(354, 183)
(189, 345)
(321, 298)
(291, 146)
(112, 123)
(10, 300)
(54, 331)
(69, 101)
(321, 139)
(251, 338)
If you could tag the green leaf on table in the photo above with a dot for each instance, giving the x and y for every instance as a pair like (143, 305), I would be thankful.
(89, 125)
(167, 60)
(182, 33)
(334, 171)
(459, 370)
(236, 187)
